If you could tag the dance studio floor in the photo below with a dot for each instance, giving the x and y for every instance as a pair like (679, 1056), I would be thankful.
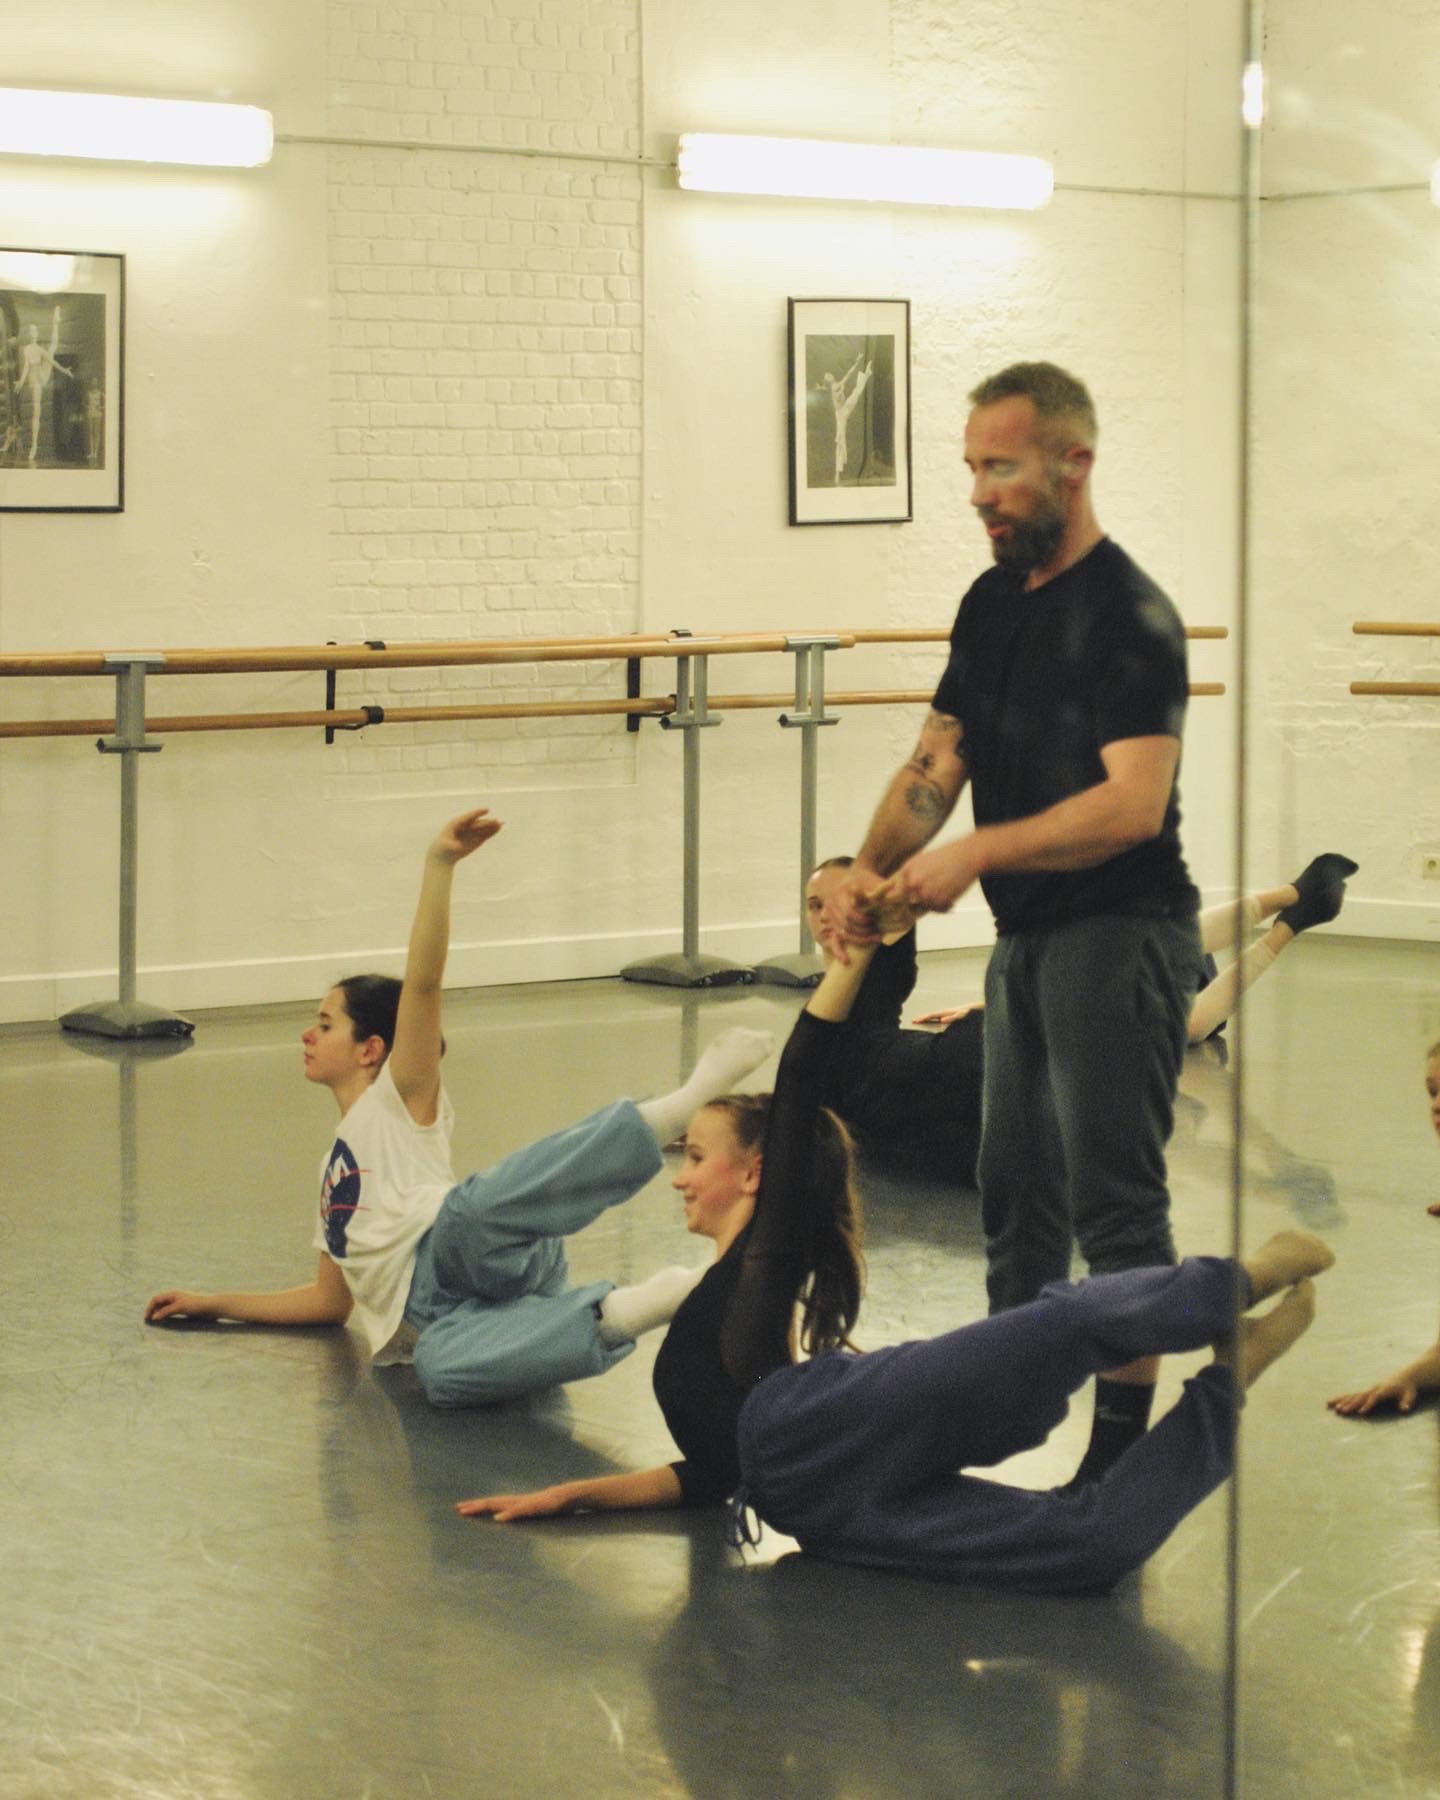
(231, 1567)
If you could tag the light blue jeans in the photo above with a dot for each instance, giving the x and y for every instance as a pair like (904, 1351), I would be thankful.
(489, 1295)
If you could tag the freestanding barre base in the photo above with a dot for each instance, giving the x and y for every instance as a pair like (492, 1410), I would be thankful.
(688, 972)
(802, 970)
(689, 969)
(126, 1019)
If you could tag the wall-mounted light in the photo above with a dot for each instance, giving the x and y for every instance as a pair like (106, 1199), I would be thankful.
(812, 169)
(117, 128)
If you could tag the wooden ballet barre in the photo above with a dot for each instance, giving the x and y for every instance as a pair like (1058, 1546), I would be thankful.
(655, 706)
(280, 660)
(283, 659)
(658, 706)
(876, 697)
(928, 634)
(1423, 690)
(262, 658)
(130, 733)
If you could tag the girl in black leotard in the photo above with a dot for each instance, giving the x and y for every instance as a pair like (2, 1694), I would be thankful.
(857, 1456)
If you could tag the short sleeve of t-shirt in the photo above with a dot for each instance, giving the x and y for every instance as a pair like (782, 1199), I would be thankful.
(1140, 682)
(1128, 649)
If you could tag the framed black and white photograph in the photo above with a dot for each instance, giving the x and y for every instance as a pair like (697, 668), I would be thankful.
(849, 412)
(62, 350)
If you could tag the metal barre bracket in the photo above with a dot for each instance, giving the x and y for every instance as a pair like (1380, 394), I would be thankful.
(689, 969)
(127, 1017)
(378, 711)
(804, 968)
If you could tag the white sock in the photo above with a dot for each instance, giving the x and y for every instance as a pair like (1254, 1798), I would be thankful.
(627, 1311)
(729, 1059)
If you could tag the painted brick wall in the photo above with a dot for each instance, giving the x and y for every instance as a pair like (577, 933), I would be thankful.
(485, 334)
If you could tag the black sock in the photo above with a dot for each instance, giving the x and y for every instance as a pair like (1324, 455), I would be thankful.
(1321, 888)
(1122, 1412)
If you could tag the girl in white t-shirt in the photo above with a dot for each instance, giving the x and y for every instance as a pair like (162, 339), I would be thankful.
(467, 1279)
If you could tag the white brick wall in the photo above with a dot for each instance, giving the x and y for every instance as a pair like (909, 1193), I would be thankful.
(522, 74)
(485, 364)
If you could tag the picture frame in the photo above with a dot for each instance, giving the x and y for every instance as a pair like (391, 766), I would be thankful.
(62, 381)
(849, 370)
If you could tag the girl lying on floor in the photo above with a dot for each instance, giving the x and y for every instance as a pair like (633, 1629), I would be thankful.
(466, 1279)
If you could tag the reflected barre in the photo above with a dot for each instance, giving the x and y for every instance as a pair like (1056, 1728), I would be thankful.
(1423, 690)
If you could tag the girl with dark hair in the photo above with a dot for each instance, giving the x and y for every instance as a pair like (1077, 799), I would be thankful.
(468, 1280)
(859, 1456)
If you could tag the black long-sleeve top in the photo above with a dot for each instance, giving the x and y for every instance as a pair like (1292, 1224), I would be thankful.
(734, 1327)
(911, 1096)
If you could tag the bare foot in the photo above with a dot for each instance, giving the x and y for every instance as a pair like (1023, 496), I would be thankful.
(1287, 1257)
(1264, 1339)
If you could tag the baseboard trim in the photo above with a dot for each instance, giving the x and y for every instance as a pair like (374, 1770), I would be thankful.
(32, 998)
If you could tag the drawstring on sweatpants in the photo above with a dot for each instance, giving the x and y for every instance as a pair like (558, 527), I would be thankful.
(745, 1526)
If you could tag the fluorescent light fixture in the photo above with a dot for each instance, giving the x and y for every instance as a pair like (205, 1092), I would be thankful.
(1252, 95)
(811, 169)
(116, 128)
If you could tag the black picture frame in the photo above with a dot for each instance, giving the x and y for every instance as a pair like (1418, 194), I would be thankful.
(849, 369)
(62, 380)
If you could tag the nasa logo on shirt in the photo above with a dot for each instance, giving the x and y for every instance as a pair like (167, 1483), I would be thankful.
(339, 1197)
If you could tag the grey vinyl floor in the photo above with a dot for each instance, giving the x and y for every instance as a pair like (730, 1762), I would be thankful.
(230, 1567)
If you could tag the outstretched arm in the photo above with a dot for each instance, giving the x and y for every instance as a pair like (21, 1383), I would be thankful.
(323, 1301)
(918, 801)
(1401, 1389)
(415, 1054)
(640, 1491)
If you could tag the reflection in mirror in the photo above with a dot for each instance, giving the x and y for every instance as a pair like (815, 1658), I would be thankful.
(1338, 1597)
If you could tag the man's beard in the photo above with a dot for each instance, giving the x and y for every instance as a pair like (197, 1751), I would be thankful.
(1032, 543)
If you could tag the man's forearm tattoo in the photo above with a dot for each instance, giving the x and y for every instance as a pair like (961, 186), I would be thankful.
(926, 801)
(925, 795)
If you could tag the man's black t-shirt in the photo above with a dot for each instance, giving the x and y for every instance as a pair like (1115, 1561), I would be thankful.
(1040, 683)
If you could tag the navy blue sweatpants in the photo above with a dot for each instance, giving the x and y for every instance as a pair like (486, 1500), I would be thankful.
(858, 1457)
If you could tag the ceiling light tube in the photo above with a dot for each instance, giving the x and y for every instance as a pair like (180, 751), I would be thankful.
(812, 169)
(118, 128)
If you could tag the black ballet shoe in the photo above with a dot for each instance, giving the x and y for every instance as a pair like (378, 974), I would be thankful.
(1321, 888)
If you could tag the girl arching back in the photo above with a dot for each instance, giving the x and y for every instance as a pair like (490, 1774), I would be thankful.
(803, 1245)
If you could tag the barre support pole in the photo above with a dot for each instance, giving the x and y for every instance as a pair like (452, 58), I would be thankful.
(127, 1017)
(689, 969)
(804, 968)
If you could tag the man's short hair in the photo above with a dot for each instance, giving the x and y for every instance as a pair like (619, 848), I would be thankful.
(1056, 394)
